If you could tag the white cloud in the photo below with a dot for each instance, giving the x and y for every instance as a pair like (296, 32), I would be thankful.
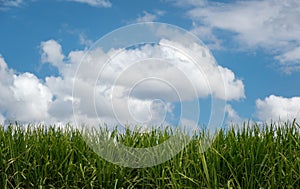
(23, 97)
(95, 3)
(290, 60)
(178, 70)
(83, 40)
(61, 109)
(270, 24)
(2, 119)
(3, 65)
(148, 17)
(187, 3)
(32, 98)
(234, 87)
(277, 107)
(232, 116)
(294, 54)
(131, 99)
(52, 53)
(4, 4)
(6, 79)
(205, 33)
(179, 74)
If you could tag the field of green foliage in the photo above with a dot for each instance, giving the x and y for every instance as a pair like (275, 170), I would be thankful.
(255, 156)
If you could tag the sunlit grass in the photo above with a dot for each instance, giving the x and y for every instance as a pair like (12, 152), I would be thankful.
(253, 157)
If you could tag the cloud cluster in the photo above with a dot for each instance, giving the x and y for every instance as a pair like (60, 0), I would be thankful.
(26, 98)
(270, 24)
(277, 107)
(134, 77)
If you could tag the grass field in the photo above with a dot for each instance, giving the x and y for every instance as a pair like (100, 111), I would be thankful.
(253, 157)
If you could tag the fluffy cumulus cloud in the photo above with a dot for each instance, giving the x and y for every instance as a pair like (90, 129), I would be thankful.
(127, 86)
(178, 71)
(95, 3)
(52, 53)
(277, 107)
(23, 96)
(138, 85)
(270, 24)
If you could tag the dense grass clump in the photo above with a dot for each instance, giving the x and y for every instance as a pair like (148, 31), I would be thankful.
(255, 156)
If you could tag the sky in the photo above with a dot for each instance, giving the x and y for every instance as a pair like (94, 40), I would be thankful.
(254, 45)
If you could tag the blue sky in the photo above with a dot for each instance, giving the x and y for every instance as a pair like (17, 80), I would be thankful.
(41, 42)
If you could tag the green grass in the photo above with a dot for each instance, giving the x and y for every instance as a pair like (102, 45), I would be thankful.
(252, 157)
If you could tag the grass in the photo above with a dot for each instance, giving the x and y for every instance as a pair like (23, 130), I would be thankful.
(252, 157)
